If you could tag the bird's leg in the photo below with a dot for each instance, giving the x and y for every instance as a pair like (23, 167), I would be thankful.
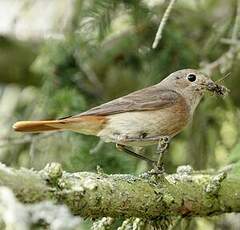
(162, 146)
(163, 142)
(132, 153)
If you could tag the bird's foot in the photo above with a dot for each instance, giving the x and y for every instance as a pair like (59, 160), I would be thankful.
(163, 144)
(157, 170)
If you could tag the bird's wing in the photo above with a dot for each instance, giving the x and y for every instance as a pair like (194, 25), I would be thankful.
(151, 98)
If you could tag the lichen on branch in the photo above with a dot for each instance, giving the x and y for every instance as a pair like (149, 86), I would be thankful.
(185, 193)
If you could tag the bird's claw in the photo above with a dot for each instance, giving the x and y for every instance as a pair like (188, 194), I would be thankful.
(157, 170)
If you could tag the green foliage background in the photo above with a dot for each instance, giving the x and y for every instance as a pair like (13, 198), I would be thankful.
(106, 53)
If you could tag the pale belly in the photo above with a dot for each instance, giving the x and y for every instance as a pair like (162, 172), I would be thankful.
(143, 126)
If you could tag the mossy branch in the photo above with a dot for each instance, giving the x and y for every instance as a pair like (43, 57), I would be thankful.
(96, 195)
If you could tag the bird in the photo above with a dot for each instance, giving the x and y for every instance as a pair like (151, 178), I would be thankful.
(149, 116)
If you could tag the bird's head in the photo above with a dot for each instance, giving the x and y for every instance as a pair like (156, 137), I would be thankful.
(192, 84)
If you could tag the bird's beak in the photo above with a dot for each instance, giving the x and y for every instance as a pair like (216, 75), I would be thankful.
(219, 90)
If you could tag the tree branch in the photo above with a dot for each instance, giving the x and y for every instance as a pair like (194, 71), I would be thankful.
(97, 195)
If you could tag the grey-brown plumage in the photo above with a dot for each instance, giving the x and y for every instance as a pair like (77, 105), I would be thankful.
(148, 99)
(140, 118)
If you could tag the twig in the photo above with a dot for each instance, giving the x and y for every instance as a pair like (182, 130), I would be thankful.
(225, 60)
(87, 72)
(222, 60)
(162, 24)
(32, 151)
(230, 41)
(97, 147)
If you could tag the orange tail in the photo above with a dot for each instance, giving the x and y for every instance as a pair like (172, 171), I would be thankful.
(84, 124)
(35, 126)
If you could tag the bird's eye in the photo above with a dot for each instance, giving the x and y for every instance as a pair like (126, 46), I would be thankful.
(191, 77)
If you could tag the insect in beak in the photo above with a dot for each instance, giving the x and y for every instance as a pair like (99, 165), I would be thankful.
(219, 90)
